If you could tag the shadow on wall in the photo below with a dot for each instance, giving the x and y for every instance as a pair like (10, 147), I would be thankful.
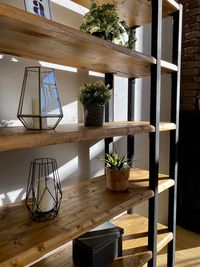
(72, 159)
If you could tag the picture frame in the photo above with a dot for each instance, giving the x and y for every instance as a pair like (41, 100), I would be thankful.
(38, 7)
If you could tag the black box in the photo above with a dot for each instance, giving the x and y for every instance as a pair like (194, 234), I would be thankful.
(99, 247)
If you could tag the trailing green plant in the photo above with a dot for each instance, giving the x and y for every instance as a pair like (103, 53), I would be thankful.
(103, 21)
(116, 162)
(96, 93)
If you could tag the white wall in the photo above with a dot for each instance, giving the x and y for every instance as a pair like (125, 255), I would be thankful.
(73, 159)
(78, 160)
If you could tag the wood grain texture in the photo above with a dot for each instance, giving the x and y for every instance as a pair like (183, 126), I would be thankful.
(12, 138)
(135, 251)
(135, 237)
(63, 258)
(187, 250)
(84, 206)
(25, 34)
(137, 260)
(140, 178)
(137, 12)
(30, 36)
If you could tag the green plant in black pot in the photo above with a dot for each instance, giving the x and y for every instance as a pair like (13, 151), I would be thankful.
(103, 21)
(94, 96)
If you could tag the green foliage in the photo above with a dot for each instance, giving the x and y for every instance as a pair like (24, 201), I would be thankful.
(103, 21)
(94, 94)
(116, 162)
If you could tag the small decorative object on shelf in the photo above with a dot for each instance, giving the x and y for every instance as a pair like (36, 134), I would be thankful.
(103, 21)
(117, 172)
(44, 194)
(39, 106)
(99, 247)
(38, 7)
(94, 96)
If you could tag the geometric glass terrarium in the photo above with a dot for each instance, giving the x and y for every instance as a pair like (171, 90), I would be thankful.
(39, 106)
(44, 194)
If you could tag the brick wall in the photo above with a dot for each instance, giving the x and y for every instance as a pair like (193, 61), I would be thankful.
(190, 76)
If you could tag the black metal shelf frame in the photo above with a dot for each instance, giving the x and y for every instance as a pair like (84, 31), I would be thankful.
(154, 141)
(174, 135)
(109, 80)
(154, 138)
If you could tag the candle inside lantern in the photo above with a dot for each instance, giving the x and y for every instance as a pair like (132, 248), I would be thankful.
(35, 111)
(46, 194)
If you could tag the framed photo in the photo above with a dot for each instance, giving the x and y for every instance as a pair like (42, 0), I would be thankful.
(38, 7)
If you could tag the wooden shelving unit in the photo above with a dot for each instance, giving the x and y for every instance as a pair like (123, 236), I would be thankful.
(136, 233)
(27, 35)
(19, 138)
(135, 245)
(24, 241)
(88, 204)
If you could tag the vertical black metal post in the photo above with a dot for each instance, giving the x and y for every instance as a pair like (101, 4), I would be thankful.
(109, 79)
(131, 98)
(154, 120)
(130, 138)
(174, 135)
(131, 113)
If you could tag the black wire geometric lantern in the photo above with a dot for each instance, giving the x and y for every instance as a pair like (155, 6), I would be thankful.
(39, 106)
(44, 194)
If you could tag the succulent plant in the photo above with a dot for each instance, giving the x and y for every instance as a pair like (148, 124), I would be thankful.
(116, 162)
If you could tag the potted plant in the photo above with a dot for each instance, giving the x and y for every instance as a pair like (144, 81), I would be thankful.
(117, 172)
(94, 96)
(103, 21)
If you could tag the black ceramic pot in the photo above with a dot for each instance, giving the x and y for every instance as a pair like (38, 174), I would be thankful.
(93, 115)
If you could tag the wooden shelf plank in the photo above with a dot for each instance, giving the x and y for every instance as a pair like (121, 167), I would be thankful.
(168, 67)
(27, 35)
(167, 126)
(135, 238)
(170, 6)
(135, 13)
(23, 241)
(137, 260)
(63, 258)
(135, 254)
(12, 138)
(140, 178)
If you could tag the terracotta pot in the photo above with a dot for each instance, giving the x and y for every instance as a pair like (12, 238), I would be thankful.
(117, 180)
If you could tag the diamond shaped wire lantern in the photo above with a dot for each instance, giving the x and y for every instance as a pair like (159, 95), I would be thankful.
(39, 106)
(44, 194)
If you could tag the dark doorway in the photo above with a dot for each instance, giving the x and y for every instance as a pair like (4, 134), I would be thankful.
(188, 209)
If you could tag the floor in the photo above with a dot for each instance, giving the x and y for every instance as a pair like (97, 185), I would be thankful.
(187, 250)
